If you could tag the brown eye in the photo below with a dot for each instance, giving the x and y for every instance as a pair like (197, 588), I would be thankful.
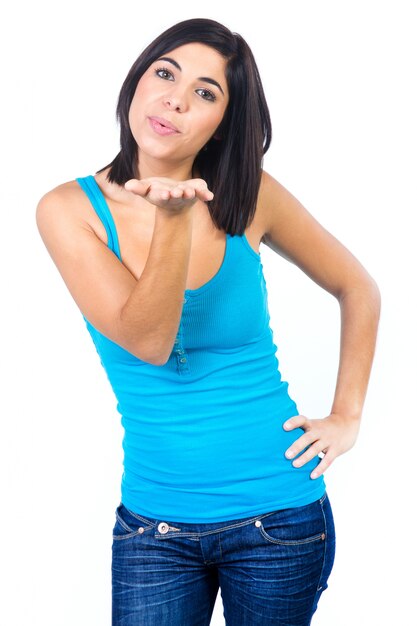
(162, 72)
(206, 94)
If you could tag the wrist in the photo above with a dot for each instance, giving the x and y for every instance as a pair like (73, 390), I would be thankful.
(349, 413)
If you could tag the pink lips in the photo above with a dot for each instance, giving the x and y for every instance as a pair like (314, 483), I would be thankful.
(162, 126)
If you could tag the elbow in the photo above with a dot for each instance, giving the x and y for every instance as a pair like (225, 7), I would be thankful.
(374, 291)
(145, 346)
(366, 289)
(158, 359)
(150, 354)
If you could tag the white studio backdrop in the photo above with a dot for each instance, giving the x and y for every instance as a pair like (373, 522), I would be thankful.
(340, 82)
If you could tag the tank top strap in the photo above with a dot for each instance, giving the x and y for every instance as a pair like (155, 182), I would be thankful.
(97, 199)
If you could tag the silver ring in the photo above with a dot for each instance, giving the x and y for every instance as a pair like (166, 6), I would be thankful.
(321, 455)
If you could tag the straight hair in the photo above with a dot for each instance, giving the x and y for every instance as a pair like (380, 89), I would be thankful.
(231, 162)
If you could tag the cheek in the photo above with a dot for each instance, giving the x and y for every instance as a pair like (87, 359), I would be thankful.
(211, 123)
(140, 96)
(136, 114)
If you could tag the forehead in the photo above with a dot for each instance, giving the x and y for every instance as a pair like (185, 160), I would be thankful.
(198, 57)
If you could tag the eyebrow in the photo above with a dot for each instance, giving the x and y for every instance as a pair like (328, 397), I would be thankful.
(206, 79)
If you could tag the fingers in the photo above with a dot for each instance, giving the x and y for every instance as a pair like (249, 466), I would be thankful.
(322, 466)
(139, 187)
(298, 421)
(306, 440)
(312, 451)
(163, 189)
(202, 192)
(323, 439)
(310, 444)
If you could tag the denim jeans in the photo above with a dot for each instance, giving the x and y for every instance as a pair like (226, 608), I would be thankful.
(271, 568)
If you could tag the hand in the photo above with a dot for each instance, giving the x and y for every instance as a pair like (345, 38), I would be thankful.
(171, 195)
(332, 435)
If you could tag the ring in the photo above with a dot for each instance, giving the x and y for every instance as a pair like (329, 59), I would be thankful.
(321, 455)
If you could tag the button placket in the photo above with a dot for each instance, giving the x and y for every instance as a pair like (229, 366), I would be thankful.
(182, 358)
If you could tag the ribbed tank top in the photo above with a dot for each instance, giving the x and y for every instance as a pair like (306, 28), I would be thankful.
(203, 437)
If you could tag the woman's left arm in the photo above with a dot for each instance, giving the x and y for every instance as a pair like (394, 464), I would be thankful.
(291, 231)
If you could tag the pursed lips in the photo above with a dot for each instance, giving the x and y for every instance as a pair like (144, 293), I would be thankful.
(163, 122)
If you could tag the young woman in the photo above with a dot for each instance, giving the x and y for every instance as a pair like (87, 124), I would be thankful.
(223, 479)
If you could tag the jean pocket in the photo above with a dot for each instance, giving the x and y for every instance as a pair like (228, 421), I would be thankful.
(129, 524)
(294, 527)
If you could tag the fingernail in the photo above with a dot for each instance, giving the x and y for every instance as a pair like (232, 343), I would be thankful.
(314, 475)
(289, 454)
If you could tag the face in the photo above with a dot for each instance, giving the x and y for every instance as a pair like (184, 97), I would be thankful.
(179, 102)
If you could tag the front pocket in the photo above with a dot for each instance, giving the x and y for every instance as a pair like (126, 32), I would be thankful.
(295, 526)
(128, 524)
(291, 542)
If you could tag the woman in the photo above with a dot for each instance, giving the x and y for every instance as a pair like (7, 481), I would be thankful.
(223, 479)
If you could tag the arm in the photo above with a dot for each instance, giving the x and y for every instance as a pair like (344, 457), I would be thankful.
(292, 231)
(141, 315)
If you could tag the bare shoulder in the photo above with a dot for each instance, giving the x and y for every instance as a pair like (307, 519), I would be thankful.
(286, 223)
(64, 209)
(63, 200)
(273, 199)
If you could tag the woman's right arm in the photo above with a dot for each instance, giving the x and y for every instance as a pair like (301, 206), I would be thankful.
(140, 315)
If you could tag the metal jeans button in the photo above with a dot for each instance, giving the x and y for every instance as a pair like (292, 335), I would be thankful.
(163, 528)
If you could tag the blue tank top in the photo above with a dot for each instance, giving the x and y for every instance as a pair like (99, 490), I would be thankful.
(203, 436)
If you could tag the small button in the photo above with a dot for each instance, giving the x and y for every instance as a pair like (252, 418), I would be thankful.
(258, 523)
(163, 528)
(141, 530)
(183, 360)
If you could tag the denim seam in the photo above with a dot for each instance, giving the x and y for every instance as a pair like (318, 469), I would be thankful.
(208, 532)
(319, 586)
(216, 530)
(121, 537)
(142, 519)
(123, 524)
(299, 542)
(322, 499)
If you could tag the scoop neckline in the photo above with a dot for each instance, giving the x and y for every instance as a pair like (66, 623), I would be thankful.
(187, 292)
(213, 279)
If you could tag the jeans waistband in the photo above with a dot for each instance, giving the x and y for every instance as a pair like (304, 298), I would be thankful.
(165, 528)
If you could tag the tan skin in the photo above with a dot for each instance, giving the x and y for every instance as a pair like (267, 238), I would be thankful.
(168, 239)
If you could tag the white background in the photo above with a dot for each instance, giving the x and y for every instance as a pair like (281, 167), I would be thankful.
(340, 81)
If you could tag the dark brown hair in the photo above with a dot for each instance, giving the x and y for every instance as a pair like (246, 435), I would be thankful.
(231, 165)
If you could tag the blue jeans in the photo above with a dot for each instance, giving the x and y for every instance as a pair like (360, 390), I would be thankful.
(271, 568)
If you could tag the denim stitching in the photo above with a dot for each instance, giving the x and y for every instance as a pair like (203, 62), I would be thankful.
(122, 523)
(185, 533)
(190, 534)
(132, 534)
(295, 542)
(216, 530)
(322, 499)
(139, 517)
(298, 542)
(319, 586)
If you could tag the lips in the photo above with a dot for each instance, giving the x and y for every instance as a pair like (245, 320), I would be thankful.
(163, 122)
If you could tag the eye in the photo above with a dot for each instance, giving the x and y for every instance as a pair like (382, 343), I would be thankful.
(162, 72)
(206, 94)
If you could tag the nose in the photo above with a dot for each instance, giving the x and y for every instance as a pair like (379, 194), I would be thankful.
(175, 101)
